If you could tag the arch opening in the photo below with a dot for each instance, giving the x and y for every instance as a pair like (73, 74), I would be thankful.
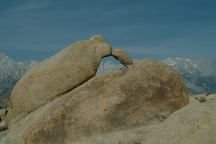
(109, 64)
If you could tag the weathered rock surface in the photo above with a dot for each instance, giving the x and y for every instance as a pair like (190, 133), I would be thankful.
(193, 124)
(3, 134)
(146, 93)
(3, 126)
(57, 75)
(122, 56)
(3, 112)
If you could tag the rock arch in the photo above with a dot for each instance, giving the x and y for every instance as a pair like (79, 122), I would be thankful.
(60, 74)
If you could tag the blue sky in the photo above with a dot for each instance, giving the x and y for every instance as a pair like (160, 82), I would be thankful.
(37, 29)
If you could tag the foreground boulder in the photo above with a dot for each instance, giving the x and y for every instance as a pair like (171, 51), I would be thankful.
(193, 124)
(146, 93)
(56, 76)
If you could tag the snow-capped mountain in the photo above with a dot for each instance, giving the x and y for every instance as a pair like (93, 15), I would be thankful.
(10, 73)
(199, 74)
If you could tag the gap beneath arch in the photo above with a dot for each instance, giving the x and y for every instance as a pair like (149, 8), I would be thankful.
(109, 64)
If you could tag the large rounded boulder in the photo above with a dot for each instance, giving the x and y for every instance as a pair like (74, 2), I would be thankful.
(145, 93)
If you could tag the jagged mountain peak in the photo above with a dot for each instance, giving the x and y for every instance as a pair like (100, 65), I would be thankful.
(199, 74)
(10, 72)
(182, 64)
(202, 65)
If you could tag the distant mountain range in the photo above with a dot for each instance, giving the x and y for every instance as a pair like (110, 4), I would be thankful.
(199, 74)
(10, 72)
